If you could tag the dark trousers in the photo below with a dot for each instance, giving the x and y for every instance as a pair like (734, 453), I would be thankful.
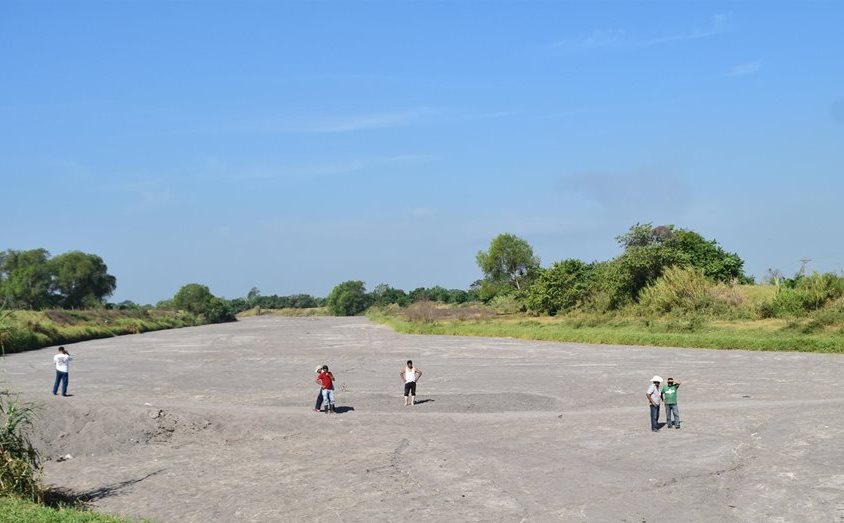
(318, 404)
(61, 377)
(410, 388)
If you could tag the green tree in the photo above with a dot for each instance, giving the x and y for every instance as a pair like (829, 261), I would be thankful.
(193, 297)
(197, 299)
(348, 298)
(384, 294)
(80, 279)
(563, 286)
(25, 279)
(706, 255)
(253, 296)
(649, 251)
(509, 261)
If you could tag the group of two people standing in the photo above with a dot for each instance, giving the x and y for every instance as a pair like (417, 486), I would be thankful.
(667, 395)
(325, 379)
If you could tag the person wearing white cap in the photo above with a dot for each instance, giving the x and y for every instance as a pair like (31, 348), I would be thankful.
(654, 399)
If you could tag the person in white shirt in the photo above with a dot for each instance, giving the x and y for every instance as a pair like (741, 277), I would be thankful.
(654, 399)
(62, 361)
(411, 375)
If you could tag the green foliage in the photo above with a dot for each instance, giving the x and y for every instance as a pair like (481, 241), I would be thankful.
(562, 287)
(383, 295)
(80, 280)
(802, 295)
(192, 297)
(5, 328)
(20, 464)
(648, 252)
(25, 279)
(197, 299)
(679, 289)
(716, 264)
(348, 299)
(506, 304)
(688, 331)
(25, 330)
(31, 280)
(254, 299)
(509, 260)
(14, 510)
(487, 290)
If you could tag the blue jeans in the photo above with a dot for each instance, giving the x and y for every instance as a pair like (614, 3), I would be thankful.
(328, 396)
(61, 377)
(654, 417)
(672, 411)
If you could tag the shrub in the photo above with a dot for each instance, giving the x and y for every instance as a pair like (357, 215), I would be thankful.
(561, 287)
(348, 299)
(20, 464)
(679, 289)
(808, 293)
(818, 289)
(505, 304)
(422, 312)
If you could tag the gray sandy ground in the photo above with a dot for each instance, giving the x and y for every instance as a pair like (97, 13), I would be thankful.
(215, 424)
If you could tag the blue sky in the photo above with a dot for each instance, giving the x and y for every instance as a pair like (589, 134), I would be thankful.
(294, 145)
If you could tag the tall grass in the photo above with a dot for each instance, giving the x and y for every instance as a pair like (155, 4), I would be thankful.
(14, 510)
(20, 464)
(26, 330)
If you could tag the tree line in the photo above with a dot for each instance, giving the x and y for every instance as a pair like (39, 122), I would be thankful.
(32, 279)
(663, 268)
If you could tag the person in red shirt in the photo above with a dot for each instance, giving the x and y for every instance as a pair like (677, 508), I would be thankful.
(326, 382)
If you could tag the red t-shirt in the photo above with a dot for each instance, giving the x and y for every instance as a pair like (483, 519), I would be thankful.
(326, 379)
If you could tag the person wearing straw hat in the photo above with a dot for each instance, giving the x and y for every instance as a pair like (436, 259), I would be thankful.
(654, 400)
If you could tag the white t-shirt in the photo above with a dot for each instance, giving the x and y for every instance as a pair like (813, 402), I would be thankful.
(653, 392)
(62, 361)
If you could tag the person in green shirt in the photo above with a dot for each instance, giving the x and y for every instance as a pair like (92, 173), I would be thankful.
(669, 396)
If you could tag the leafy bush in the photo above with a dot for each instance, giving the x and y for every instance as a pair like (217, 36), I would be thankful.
(505, 304)
(561, 287)
(807, 293)
(197, 299)
(679, 289)
(348, 298)
(20, 464)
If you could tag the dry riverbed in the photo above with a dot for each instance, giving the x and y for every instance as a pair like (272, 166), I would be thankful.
(215, 423)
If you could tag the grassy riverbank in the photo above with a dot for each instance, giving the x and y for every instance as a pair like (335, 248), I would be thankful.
(14, 510)
(290, 312)
(27, 330)
(691, 331)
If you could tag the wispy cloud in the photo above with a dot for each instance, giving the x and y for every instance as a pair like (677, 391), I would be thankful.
(621, 38)
(356, 122)
(745, 69)
(364, 122)
(342, 167)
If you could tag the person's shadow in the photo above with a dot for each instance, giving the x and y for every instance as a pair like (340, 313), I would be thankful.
(343, 409)
(419, 402)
